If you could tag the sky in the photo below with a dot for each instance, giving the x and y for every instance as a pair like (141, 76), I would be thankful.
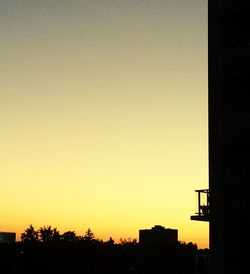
(104, 115)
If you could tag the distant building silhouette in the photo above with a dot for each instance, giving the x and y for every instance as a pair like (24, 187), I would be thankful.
(229, 134)
(7, 237)
(158, 235)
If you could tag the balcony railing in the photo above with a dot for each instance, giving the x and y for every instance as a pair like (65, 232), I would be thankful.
(202, 213)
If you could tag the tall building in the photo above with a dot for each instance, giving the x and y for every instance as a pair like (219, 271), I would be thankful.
(229, 134)
(158, 235)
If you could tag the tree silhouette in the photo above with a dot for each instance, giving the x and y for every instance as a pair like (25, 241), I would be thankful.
(69, 236)
(128, 241)
(110, 241)
(89, 235)
(48, 234)
(68, 252)
(30, 235)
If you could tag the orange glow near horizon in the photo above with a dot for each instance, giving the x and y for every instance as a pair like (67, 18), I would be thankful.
(103, 116)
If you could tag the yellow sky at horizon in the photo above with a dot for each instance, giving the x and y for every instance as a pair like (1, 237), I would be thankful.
(103, 116)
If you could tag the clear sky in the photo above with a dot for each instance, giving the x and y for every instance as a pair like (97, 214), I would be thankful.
(103, 115)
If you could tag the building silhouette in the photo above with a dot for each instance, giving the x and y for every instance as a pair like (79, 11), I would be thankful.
(158, 235)
(229, 134)
(7, 237)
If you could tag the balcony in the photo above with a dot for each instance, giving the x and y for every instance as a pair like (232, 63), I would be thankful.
(202, 213)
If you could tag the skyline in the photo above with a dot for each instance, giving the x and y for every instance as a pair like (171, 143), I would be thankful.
(104, 116)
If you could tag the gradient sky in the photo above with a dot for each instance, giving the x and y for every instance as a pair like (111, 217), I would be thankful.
(103, 115)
